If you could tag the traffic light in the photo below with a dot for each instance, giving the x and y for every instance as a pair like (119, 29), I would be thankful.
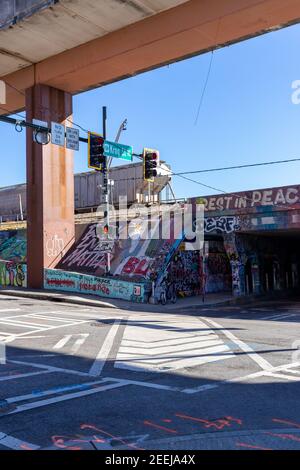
(96, 158)
(150, 161)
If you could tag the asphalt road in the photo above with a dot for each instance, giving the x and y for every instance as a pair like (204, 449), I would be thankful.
(96, 378)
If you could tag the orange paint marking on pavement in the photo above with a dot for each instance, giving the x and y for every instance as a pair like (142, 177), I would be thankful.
(249, 446)
(26, 447)
(91, 426)
(291, 437)
(286, 421)
(218, 424)
(162, 428)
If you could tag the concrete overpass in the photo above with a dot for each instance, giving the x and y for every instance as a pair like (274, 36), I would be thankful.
(51, 50)
(253, 237)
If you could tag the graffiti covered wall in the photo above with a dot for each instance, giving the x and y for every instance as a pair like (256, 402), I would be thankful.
(217, 268)
(132, 259)
(13, 270)
(185, 273)
(288, 196)
(13, 274)
(13, 245)
(87, 284)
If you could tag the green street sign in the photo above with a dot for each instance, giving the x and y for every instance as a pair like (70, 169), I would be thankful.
(112, 149)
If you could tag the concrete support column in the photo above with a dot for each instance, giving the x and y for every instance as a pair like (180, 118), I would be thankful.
(50, 186)
(237, 263)
(255, 276)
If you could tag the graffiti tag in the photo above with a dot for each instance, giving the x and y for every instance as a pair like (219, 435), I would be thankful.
(221, 224)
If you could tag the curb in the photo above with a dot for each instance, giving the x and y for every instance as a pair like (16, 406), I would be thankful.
(239, 301)
(57, 297)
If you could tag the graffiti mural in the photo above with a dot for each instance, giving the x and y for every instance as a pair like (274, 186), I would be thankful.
(134, 259)
(185, 273)
(218, 268)
(283, 196)
(13, 245)
(13, 270)
(13, 274)
(87, 284)
(221, 224)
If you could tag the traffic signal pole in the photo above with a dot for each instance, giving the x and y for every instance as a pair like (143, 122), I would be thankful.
(106, 184)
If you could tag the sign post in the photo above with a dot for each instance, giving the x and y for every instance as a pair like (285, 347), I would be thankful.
(105, 182)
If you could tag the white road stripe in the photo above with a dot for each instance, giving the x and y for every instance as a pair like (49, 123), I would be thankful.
(47, 328)
(20, 324)
(168, 350)
(23, 376)
(208, 347)
(16, 444)
(164, 344)
(254, 375)
(278, 316)
(79, 342)
(290, 371)
(51, 318)
(145, 384)
(54, 391)
(282, 376)
(62, 342)
(70, 396)
(136, 345)
(4, 310)
(51, 368)
(146, 364)
(263, 363)
(103, 354)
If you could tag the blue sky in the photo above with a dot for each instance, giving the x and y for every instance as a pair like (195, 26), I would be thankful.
(247, 116)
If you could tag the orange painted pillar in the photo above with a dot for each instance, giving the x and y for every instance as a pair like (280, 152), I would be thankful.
(50, 186)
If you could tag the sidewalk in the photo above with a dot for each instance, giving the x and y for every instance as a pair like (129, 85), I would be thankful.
(187, 303)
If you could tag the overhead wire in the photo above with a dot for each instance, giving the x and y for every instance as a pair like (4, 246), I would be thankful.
(179, 174)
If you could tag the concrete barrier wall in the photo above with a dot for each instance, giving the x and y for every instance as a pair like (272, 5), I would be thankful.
(100, 286)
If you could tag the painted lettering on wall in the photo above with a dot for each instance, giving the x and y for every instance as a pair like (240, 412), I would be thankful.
(13, 274)
(55, 247)
(287, 195)
(87, 284)
(221, 224)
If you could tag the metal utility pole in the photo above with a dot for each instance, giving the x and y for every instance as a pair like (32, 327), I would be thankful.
(21, 207)
(122, 127)
(106, 185)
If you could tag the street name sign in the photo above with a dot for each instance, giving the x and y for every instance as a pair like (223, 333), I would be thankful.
(112, 149)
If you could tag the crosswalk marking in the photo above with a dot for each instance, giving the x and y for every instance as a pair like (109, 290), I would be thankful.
(103, 354)
(168, 344)
(171, 349)
(34, 323)
(22, 324)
